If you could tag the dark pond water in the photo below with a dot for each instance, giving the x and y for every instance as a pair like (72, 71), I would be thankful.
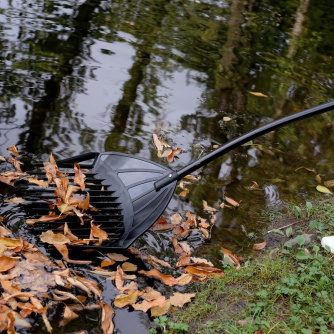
(80, 76)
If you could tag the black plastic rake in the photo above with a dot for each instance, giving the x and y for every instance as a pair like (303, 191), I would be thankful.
(130, 192)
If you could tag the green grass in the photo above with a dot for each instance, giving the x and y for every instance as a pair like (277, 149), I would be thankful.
(283, 291)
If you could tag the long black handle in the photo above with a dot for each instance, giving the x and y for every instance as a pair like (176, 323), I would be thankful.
(178, 175)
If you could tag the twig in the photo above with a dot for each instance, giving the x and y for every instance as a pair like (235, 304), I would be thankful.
(283, 227)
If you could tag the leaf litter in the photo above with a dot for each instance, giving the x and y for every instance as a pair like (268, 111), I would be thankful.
(36, 283)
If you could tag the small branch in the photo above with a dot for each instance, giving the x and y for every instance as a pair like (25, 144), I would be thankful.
(283, 227)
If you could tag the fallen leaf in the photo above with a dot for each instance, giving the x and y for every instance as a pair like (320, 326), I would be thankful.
(179, 299)
(258, 94)
(145, 305)
(255, 185)
(173, 153)
(107, 263)
(10, 242)
(127, 266)
(166, 279)
(150, 294)
(184, 279)
(329, 183)
(184, 192)
(92, 286)
(117, 257)
(13, 150)
(68, 316)
(123, 300)
(119, 280)
(15, 200)
(260, 245)
(35, 180)
(52, 238)
(107, 315)
(232, 257)
(157, 143)
(208, 208)
(226, 119)
(176, 218)
(204, 271)
(97, 232)
(79, 176)
(231, 201)
(62, 249)
(157, 311)
(323, 189)
(7, 262)
(308, 169)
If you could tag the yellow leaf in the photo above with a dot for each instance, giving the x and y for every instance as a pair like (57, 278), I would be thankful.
(10, 242)
(123, 300)
(323, 189)
(157, 311)
(258, 94)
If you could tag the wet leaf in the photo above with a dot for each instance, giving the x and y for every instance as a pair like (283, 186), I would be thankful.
(204, 271)
(97, 232)
(179, 299)
(7, 262)
(4, 231)
(201, 261)
(15, 200)
(318, 179)
(232, 258)
(68, 316)
(92, 286)
(34, 180)
(157, 143)
(208, 208)
(123, 300)
(166, 279)
(127, 266)
(183, 261)
(10, 242)
(323, 189)
(157, 311)
(162, 225)
(119, 280)
(145, 305)
(260, 245)
(184, 279)
(79, 176)
(308, 169)
(54, 238)
(231, 201)
(150, 294)
(184, 192)
(255, 185)
(329, 183)
(13, 150)
(258, 94)
(107, 263)
(107, 315)
(173, 153)
(62, 249)
(117, 257)
(176, 218)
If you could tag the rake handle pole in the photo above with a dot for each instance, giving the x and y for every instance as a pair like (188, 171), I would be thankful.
(229, 146)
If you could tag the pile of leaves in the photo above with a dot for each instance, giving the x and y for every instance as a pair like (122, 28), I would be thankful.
(32, 283)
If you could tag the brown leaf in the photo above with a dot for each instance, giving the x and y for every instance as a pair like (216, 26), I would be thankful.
(119, 280)
(4, 231)
(68, 316)
(231, 201)
(62, 249)
(146, 305)
(173, 153)
(179, 299)
(15, 200)
(107, 315)
(150, 294)
(184, 279)
(10, 242)
(157, 311)
(329, 183)
(166, 279)
(107, 263)
(7, 262)
(54, 238)
(208, 208)
(91, 286)
(79, 176)
(123, 300)
(232, 258)
(176, 218)
(259, 246)
(13, 150)
(184, 192)
(97, 232)
(35, 180)
(162, 225)
(184, 260)
(117, 257)
(127, 266)
(204, 271)
(255, 185)
(157, 143)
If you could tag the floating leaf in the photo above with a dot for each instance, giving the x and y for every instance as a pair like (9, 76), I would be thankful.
(157, 143)
(146, 305)
(123, 300)
(157, 311)
(117, 257)
(107, 315)
(166, 279)
(13, 150)
(107, 263)
(127, 266)
(329, 183)
(208, 208)
(323, 189)
(68, 316)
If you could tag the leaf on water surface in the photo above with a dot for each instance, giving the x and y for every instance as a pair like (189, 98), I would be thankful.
(117, 257)
(231, 201)
(204, 272)
(150, 294)
(107, 263)
(184, 192)
(13, 150)
(4, 231)
(123, 300)
(68, 316)
(145, 305)
(255, 185)
(107, 315)
(128, 266)
(258, 94)
(166, 279)
(54, 238)
(260, 245)
(92, 286)
(157, 143)
(208, 208)
(162, 225)
(62, 249)
(119, 280)
(173, 153)
(179, 299)
(323, 189)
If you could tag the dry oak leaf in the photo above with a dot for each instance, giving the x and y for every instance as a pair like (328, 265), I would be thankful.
(179, 299)
(259, 246)
(123, 300)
